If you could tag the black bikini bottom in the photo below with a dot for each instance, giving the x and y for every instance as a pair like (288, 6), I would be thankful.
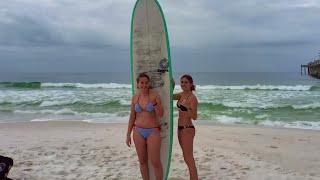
(185, 127)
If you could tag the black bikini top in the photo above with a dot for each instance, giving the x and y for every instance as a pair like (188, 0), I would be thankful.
(182, 107)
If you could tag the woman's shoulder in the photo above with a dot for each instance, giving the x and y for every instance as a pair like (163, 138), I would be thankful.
(135, 97)
(193, 97)
(154, 93)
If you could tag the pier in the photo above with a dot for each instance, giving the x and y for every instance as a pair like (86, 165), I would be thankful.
(312, 69)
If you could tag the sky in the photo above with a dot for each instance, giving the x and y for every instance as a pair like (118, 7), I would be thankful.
(205, 35)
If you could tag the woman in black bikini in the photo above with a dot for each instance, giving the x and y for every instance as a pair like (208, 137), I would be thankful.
(145, 107)
(187, 105)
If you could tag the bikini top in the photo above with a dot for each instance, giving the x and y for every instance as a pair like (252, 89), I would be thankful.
(149, 106)
(182, 107)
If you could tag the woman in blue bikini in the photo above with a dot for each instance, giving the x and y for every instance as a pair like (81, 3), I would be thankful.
(145, 108)
(187, 105)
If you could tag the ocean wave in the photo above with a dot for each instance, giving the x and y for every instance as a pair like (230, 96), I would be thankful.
(62, 103)
(229, 120)
(65, 111)
(90, 120)
(261, 87)
(20, 103)
(121, 104)
(88, 86)
(312, 125)
(111, 103)
(75, 114)
(236, 105)
(37, 85)
(28, 85)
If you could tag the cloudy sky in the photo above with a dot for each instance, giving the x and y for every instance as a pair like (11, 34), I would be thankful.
(205, 35)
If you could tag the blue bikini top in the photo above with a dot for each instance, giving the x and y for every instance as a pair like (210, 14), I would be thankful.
(149, 106)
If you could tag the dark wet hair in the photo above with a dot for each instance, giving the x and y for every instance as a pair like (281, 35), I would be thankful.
(190, 79)
(5, 165)
(141, 75)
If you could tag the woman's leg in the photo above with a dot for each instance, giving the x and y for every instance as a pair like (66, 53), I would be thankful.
(141, 147)
(186, 137)
(154, 144)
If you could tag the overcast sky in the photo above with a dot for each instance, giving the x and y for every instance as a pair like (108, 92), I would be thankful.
(205, 35)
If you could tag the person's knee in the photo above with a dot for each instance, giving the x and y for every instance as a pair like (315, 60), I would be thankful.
(189, 160)
(156, 163)
(143, 162)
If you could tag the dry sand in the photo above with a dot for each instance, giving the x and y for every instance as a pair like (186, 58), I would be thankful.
(79, 150)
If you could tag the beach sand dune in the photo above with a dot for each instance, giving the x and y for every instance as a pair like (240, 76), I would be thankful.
(79, 150)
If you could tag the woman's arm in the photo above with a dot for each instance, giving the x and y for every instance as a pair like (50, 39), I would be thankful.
(158, 106)
(176, 96)
(132, 119)
(193, 109)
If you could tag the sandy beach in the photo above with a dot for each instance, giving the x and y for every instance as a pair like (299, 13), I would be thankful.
(79, 150)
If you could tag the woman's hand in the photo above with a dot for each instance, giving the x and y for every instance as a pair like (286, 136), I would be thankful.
(128, 140)
(173, 83)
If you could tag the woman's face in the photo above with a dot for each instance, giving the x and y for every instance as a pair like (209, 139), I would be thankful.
(143, 84)
(185, 84)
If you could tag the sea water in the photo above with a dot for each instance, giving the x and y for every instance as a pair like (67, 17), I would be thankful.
(271, 99)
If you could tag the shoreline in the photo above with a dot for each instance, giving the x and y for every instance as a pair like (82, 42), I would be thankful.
(81, 150)
(197, 122)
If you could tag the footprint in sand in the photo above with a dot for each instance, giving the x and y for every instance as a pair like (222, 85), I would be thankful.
(220, 156)
(132, 155)
(245, 168)
(256, 134)
(63, 148)
(312, 174)
(207, 160)
(63, 173)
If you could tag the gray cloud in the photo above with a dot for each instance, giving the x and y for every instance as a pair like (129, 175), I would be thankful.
(206, 35)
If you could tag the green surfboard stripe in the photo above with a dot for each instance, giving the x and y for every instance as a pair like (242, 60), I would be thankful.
(170, 74)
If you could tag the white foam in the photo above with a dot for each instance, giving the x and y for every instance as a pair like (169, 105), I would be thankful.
(262, 116)
(124, 102)
(312, 125)
(256, 87)
(114, 119)
(229, 120)
(82, 85)
(54, 103)
(307, 106)
(65, 111)
(43, 120)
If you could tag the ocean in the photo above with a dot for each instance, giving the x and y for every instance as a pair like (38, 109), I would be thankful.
(269, 99)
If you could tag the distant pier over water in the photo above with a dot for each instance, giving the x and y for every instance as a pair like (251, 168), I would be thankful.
(312, 68)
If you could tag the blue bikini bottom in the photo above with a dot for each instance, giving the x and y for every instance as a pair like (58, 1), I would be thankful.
(146, 132)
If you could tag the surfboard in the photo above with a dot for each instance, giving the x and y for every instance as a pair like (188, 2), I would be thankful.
(150, 54)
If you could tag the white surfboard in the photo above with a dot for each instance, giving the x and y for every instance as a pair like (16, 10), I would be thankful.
(150, 53)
